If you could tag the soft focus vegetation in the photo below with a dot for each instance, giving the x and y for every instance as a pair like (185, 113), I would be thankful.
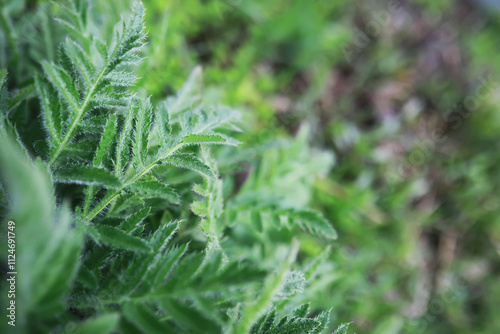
(284, 166)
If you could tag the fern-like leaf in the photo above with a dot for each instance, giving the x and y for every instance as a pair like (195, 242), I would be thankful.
(96, 74)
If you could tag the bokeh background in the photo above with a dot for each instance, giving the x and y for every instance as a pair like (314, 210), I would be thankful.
(393, 109)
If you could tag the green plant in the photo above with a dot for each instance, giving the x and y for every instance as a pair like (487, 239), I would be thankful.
(374, 110)
(119, 205)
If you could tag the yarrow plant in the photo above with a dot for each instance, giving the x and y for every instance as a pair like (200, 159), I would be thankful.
(109, 206)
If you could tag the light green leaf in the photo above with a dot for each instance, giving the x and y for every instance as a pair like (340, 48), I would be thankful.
(315, 223)
(342, 329)
(199, 209)
(196, 139)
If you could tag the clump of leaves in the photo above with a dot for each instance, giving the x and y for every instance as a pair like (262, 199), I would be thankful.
(106, 242)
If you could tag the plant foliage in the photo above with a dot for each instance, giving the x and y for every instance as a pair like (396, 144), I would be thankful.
(120, 206)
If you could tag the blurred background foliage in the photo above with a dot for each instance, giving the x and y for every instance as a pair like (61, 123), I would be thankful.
(383, 115)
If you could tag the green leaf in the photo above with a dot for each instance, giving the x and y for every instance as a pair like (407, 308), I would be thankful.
(269, 321)
(86, 175)
(196, 139)
(342, 329)
(93, 125)
(96, 93)
(123, 148)
(51, 109)
(189, 161)
(296, 325)
(120, 78)
(162, 236)
(142, 124)
(102, 156)
(115, 237)
(74, 32)
(79, 150)
(315, 223)
(324, 319)
(128, 39)
(126, 201)
(301, 311)
(294, 283)
(154, 189)
(164, 265)
(266, 323)
(296, 322)
(103, 152)
(135, 219)
(81, 61)
(109, 99)
(64, 84)
(163, 123)
(199, 209)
